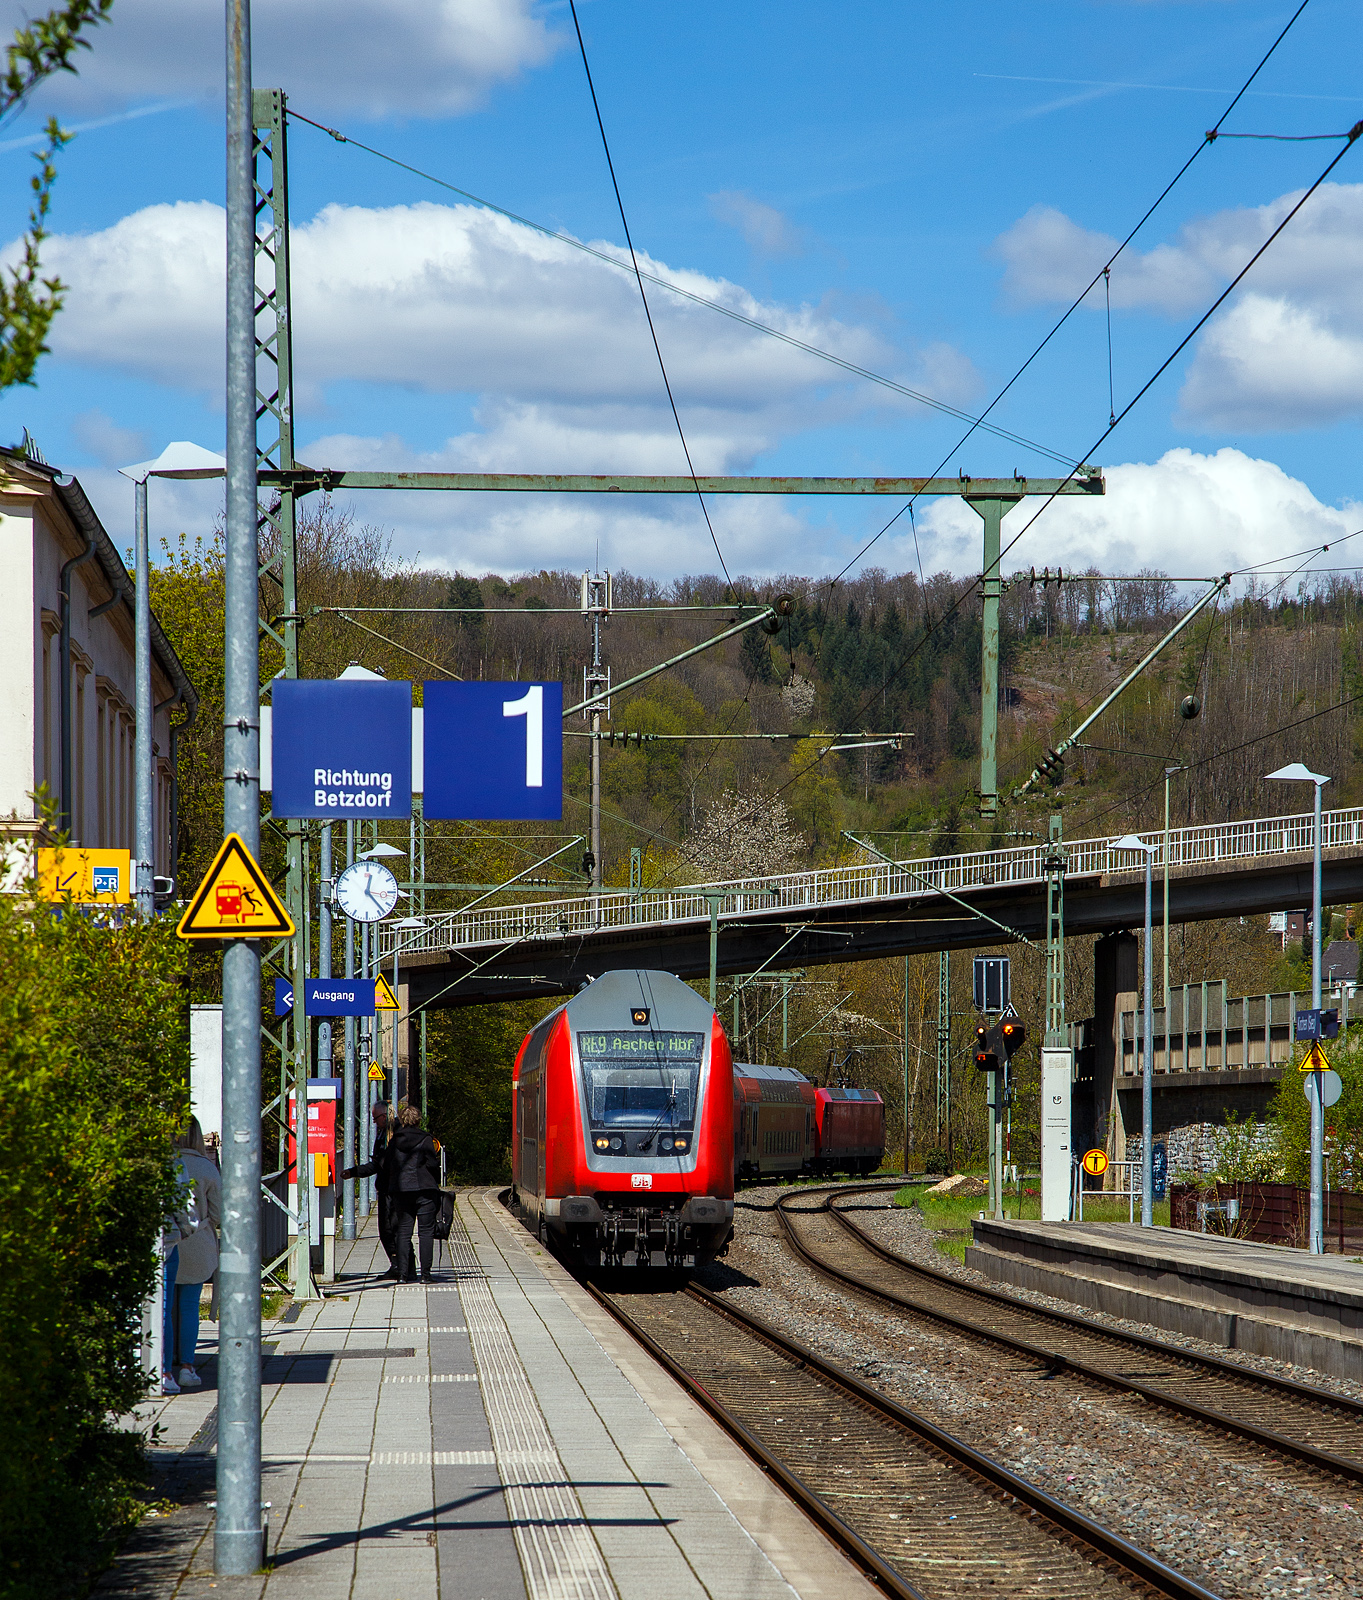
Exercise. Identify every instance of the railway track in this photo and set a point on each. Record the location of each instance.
(922, 1513)
(1311, 1426)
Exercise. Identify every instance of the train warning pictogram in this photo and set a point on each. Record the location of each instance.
(1095, 1163)
(384, 998)
(1314, 1060)
(376, 1073)
(235, 900)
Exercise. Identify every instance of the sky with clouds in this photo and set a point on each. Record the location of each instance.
(918, 190)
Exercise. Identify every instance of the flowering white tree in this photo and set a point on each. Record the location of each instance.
(743, 836)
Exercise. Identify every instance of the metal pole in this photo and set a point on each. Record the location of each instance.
(238, 1535)
(324, 1057)
(1148, 1072)
(714, 945)
(1168, 773)
(906, 1066)
(144, 847)
(1315, 1079)
(348, 1137)
(993, 512)
(596, 815)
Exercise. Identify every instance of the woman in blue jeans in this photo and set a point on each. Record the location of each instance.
(192, 1262)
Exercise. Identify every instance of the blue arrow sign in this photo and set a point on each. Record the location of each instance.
(283, 997)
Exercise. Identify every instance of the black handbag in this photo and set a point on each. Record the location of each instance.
(444, 1217)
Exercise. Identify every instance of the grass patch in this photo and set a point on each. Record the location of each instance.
(950, 1218)
(272, 1302)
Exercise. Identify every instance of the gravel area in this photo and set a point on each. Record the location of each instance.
(1215, 1508)
(905, 1232)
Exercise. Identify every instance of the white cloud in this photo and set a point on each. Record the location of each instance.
(106, 441)
(367, 58)
(1288, 350)
(1186, 514)
(456, 300)
(765, 230)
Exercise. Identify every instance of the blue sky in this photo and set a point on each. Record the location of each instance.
(916, 187)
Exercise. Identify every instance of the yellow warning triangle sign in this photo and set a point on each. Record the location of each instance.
(1314, 1061)
(376, 1073)
(384, 998)
(235, 900)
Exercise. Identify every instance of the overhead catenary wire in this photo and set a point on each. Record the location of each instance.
(1207, 139)
(731, 312)
(643, 295)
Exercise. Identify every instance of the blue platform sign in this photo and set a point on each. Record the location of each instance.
(1159, 1170)
(327, 997)
(494, 751)
(341, 748)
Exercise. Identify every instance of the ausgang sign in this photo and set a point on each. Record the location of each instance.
(342, 748)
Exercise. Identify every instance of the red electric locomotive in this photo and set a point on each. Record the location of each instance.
(622, 1124)
(851, 1130)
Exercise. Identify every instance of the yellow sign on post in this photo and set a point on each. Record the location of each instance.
(235, 900)
(376, 1073)
(90, 877)
(1095, 1163)
(384, 998)
(1314, 1060)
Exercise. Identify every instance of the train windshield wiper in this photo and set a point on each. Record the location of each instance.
(666, 1116)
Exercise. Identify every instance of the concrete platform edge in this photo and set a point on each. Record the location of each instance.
(814, 1567)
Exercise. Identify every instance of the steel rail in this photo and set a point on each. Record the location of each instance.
(999, 1482)
(1056, 1361)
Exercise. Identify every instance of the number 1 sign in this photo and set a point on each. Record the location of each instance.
(494, 751)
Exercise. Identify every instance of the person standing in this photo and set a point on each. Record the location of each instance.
(384, 1125)
(412, 1160)
(196, 1255)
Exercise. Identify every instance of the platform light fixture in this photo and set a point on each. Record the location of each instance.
(1131, 842)
(1297, 772)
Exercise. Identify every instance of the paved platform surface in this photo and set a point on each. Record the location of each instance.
(496, 1436)
(1263, 1298)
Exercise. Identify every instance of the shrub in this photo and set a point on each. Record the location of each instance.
(94, 1056)
(1343, 1120)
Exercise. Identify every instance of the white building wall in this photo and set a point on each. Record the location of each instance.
(37, 535)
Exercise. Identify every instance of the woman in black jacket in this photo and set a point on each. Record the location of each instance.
(384, 1125)
(411, 1167)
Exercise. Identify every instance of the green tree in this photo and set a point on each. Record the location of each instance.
(94, 1058)
(28, 302)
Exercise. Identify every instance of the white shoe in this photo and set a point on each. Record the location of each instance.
(189, 1379)
(168, 1384)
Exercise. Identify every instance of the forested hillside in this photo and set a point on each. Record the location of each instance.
(879, 654)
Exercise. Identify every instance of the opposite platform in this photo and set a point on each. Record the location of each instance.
(496, 1435)
(1263, 1298)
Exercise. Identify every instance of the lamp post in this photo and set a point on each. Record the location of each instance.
(1297, 773)
(185, 461)
(1168, 773)
(407, 924)
(1131, 842)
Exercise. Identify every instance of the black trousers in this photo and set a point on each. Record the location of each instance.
(421, 1209)
(388, 1224)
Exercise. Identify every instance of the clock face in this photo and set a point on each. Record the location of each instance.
(366, 891)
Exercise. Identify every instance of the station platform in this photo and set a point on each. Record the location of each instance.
(496, 1436)
(1263, 1298)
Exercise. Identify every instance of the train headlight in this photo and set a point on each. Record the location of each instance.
(679, 1145)
(617, 1143)
(603, 1144)
(665, 1144)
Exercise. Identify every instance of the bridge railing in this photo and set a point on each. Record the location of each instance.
(1257, 838)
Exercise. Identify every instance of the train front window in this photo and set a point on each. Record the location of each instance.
(640, 1080)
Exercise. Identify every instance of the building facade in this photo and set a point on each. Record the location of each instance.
(67, 720)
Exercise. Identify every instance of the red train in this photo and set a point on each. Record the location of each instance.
(785, 1127)
(622, 1124)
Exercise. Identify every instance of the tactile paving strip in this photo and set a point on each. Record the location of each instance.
(559, 1556)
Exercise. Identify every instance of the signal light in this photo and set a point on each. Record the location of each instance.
(1014, 1034)
(986, 1061)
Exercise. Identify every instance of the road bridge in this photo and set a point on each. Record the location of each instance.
(861, 913)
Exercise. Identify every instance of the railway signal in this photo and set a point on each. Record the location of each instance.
(1013, 1033)
(986, 1048)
